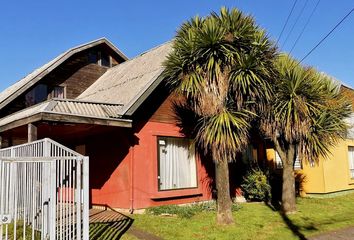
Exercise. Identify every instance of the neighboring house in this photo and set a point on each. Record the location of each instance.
(116, 111)
(331, 174)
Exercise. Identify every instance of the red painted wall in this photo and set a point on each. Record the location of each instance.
(112, 157)
(146, 171)
(124, 164)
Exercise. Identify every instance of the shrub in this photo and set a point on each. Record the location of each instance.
(256, 186)
(181, 211)
(187, 211)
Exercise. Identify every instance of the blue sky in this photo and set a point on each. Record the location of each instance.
(34, 32)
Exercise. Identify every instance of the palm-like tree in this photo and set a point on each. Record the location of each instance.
(222, 66)
(305, 117)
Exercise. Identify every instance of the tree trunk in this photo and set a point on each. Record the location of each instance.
(288, 198)
(224, 203)
(288, 191)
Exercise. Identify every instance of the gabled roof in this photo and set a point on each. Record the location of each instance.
(118, 92)
(25, 83)
(131, 82)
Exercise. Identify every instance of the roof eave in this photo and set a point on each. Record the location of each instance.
(65, 118)
(131, 108)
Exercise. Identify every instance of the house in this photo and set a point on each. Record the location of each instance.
(116, 110)
(330, 175)
(94, 100)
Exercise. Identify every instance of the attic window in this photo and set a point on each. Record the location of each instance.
(105, 60)
(38, 94)
(92, 57)
(58, 92)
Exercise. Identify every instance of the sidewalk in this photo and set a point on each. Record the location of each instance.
(343, 234)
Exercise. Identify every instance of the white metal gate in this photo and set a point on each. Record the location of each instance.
(44, 192)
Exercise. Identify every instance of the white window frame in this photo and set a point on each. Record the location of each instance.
(279, 163)
(351, 161)
(172, 183)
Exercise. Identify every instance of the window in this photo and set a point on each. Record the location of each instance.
(177, 165)
(58, 92)
(92, 57)
(279, 164)
(38, 94)
(250, 155)
(105, 60)
(351, 160)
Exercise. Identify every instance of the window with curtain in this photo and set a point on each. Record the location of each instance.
(177, 165)
(58, 92)
(351, 160)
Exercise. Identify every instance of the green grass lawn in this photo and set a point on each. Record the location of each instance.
(255, 221)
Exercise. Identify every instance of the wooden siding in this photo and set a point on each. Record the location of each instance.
(78, 81)
(165, 113)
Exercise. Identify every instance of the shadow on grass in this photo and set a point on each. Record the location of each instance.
(109, 224)
(293, 227)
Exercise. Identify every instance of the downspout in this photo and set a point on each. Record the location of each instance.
(132, 179)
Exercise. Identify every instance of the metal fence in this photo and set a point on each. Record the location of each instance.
(43, 192)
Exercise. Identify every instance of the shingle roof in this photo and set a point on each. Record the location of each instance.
(126, 82)
(22, 85)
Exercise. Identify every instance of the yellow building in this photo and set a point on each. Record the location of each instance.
(330, 175)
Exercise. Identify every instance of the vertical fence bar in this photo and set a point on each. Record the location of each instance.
(78, 199)
(86, 199)
(2, 186)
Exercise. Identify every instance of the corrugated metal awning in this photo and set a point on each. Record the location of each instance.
(84, 108)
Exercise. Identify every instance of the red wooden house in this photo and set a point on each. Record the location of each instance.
(94, 100)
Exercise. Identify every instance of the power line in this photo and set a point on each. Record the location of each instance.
(303, 29)
(296, 21)
(325, 37)
(287, 20)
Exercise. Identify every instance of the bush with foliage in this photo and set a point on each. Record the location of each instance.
(187, 211)
(256, 186)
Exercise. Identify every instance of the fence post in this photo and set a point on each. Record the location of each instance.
(86, 198)
(45, 169)
(52, 201)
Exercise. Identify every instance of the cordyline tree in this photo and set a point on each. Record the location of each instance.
(305, 118)
(221, 65)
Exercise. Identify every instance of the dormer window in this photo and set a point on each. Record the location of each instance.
(38, 94)
(58, 92)
(105, 60)
(100, 58)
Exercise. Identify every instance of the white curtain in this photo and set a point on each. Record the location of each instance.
(177, 164)
(351, 161)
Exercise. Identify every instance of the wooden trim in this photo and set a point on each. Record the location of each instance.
(32, 132)
(54, 117)
(21, 122)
